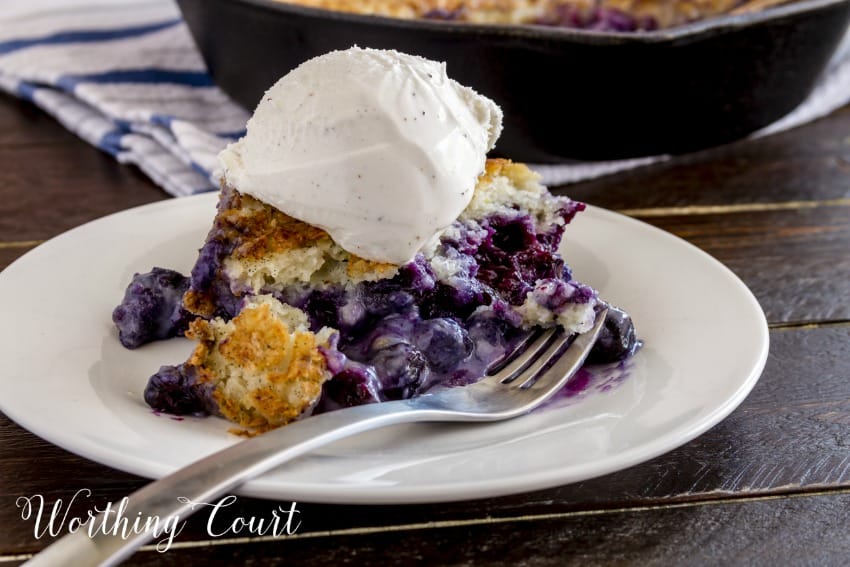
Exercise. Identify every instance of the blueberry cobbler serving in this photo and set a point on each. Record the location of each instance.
(598, 15)
(359, 255)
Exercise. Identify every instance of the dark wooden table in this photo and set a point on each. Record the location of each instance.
(770, 485)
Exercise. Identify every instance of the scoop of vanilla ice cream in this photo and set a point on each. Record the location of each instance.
(378, 148)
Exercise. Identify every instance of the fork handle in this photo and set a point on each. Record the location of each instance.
(176, 494)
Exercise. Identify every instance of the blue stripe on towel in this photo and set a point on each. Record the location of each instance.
(197, 167)
(162, 120)
(232, 135)
(85, 36)
(26, 90)
(138, 76)
(111, 141)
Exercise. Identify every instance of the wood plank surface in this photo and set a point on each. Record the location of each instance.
(795, 531)
(24, 125)
(52, 189)
(800, 530)
(809, 163)
(9, 252)
(796, 262)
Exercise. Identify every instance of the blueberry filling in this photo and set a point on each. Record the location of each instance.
(175, 389)
(597, 18)
(152, 308)
(443, 342)
(355, 385)
(513, 256)
(617, 341)
(567, 15)
(399, 336)
(444, 15)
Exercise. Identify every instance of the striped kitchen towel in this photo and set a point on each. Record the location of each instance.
(125, 76)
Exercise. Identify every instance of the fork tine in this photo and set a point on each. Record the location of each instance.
(554, 349)
(559, 368)
(524, 356)
(522, 345)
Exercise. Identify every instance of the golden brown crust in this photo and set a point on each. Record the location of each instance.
(260, 230)
(200, 304)
(665, 13)
(268, 250)
(280, 371)
(358, 268)
(518, 173)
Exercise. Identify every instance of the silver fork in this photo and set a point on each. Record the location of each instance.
(541, 367)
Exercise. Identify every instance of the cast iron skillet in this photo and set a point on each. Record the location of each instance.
(566, 94)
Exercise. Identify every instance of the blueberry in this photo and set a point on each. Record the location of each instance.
(443, 342)
(400, 366)
(512, 259)
(392, 329)
(617, 340)
(607, 19)
(322, 307)
(598, 18)
(444, 14)
(174, 389)
(208, 264)
(563, 15)
(493, 329)
(355, 385)
(416, 276)
(383, 300)
(352, 313)
(152, 308)
(515, 234)
(537, 263)
(209, 283)
(457, 300)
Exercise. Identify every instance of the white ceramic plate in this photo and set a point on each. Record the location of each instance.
(67, 379)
